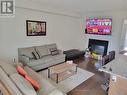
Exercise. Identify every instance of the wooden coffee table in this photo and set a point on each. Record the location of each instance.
(62, 71)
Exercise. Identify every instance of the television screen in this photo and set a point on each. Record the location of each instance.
(99, 26)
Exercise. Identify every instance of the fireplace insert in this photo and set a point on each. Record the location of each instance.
(98, 46)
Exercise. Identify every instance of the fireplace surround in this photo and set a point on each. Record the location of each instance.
(98, 46)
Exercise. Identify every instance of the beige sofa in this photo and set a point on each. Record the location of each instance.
(46, 58)
(17, 85)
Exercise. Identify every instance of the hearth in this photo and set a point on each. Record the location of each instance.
(98, 46)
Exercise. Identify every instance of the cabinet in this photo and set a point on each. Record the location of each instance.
(118, 86)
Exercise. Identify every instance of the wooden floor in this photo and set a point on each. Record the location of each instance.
(93, 85)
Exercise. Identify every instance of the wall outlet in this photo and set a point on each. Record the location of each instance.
(114, 78)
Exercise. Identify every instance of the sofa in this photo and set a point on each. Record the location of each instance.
(17, 85)
(40, 57)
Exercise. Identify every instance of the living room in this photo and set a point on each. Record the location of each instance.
(65, 25)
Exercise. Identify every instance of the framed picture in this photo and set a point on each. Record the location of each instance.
(35, 28)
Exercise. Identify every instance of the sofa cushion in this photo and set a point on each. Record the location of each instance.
(27, 52)
(46, 86)
(36, 62)
(42, 50)
(9, 68)
(55, 57)
(8, 83)
(24, 86)
(50, 46)
(54, 51)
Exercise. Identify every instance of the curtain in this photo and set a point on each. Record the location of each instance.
(123, 43)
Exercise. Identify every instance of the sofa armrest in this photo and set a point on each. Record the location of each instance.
(24, 59)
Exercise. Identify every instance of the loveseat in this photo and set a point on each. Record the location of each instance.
(40, 57)
(17, 85)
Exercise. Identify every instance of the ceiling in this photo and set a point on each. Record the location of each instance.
(83, 6)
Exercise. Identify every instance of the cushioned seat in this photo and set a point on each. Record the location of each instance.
(51, 58)
(36, 62)
(47, 61)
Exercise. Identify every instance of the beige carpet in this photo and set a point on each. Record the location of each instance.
(71, 82)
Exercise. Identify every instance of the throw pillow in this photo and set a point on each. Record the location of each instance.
(27, 56)
(21, 71)
(35, 55)
(39, 54)
(34, 83)
(49, 46)
(54, 51)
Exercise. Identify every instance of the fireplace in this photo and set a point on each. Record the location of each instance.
(98, 46)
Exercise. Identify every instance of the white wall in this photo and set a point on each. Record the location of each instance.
(63, 30)
(114, 39)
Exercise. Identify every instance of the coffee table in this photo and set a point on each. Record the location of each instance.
(62, 71)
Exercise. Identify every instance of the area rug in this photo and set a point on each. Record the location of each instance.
(71, 82)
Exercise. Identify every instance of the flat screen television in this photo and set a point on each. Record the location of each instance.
(99, 26)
